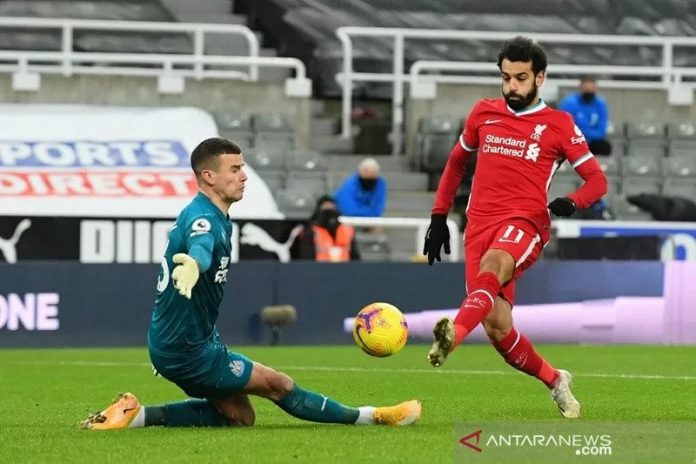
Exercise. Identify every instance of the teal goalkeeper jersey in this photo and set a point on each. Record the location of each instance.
(178, 324)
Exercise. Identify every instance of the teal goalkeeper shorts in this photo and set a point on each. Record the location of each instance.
(212, 372)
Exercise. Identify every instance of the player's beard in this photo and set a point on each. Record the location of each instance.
(519, 102)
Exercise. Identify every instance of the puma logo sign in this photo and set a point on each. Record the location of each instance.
(8, 246)
(255, 235)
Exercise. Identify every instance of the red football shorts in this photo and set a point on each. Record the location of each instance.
(518, 237)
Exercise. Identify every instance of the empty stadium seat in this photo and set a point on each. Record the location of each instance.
(235, 126)
(681, 130)
(314, 182)
(682, 148)
(644, 184)
(373, 246)
(680, 187)
(609, 164)
(646, 148)
(265, 159)
(296, 203)
(439, 125)
(275, 180)
(271, 122)
(277, 141)
(679, 166)
(435, 150)
(645, 130)
(305, 160)
(642, 165)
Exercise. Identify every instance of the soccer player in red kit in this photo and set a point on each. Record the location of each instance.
(520, 143)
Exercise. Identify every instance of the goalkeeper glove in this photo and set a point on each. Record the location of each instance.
(562, 207)
(186, 274)
(437, 236)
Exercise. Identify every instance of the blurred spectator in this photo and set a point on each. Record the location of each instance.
(324, 238)
(363, 193)
(591, 115)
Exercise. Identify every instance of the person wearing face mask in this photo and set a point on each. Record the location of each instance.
(590, 112)
(363, 193)
(324, 238)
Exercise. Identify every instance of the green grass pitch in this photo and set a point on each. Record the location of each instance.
(44, 394)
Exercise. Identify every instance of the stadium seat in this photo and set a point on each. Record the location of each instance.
(641, 165)
(234, 126)
(265, 159)
(271, 122)
(610, 164)
(435, 151)
(316, 183)
(275, 180)
(439, 125)
(305, 160)
(682, 130)
(296, 203)
(373, 246)
(645, 130)
(682, 148)
(232, 121)
(680, 187)
(643, 184)
(277, 141)
(679, 166)
(646, 147)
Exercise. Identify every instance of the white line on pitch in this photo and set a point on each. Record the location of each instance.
(376, 370)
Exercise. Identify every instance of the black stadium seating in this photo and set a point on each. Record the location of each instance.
(92, 41)
(306, 29)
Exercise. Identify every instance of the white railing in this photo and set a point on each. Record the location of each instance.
(666, 76)
(420, 226)
(28, 65)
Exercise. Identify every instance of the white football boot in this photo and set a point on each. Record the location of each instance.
(563, 397)
(444, 341)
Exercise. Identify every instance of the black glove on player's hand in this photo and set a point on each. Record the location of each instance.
(562, 207)
(437, 236)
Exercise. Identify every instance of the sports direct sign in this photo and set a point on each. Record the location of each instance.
(64, 160)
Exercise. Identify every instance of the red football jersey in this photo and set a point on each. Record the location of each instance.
(518, 154)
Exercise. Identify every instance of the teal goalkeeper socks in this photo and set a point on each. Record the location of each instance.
(314, 407)
(189, 413)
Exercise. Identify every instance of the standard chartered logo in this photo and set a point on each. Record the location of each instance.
(510, 146)
(533, 152)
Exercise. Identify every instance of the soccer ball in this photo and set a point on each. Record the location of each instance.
(380, 330)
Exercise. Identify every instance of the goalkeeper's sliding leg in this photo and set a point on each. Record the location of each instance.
(236, 409)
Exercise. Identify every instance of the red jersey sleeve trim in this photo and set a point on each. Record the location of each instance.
(582, 159)
(464, 145)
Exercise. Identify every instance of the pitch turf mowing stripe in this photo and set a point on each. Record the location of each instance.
(367, 369)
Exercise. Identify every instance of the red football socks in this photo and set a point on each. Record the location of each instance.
(520, 354)
(476, 305)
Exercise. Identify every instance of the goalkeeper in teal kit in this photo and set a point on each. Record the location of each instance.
(183, 341)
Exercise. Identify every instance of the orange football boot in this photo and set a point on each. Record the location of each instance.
(118, 415)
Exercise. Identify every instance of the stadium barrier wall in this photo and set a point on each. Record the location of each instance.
(70, 304)
(209, 94)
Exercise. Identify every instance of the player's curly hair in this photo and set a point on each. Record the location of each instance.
(209, 149)
(523, 49)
